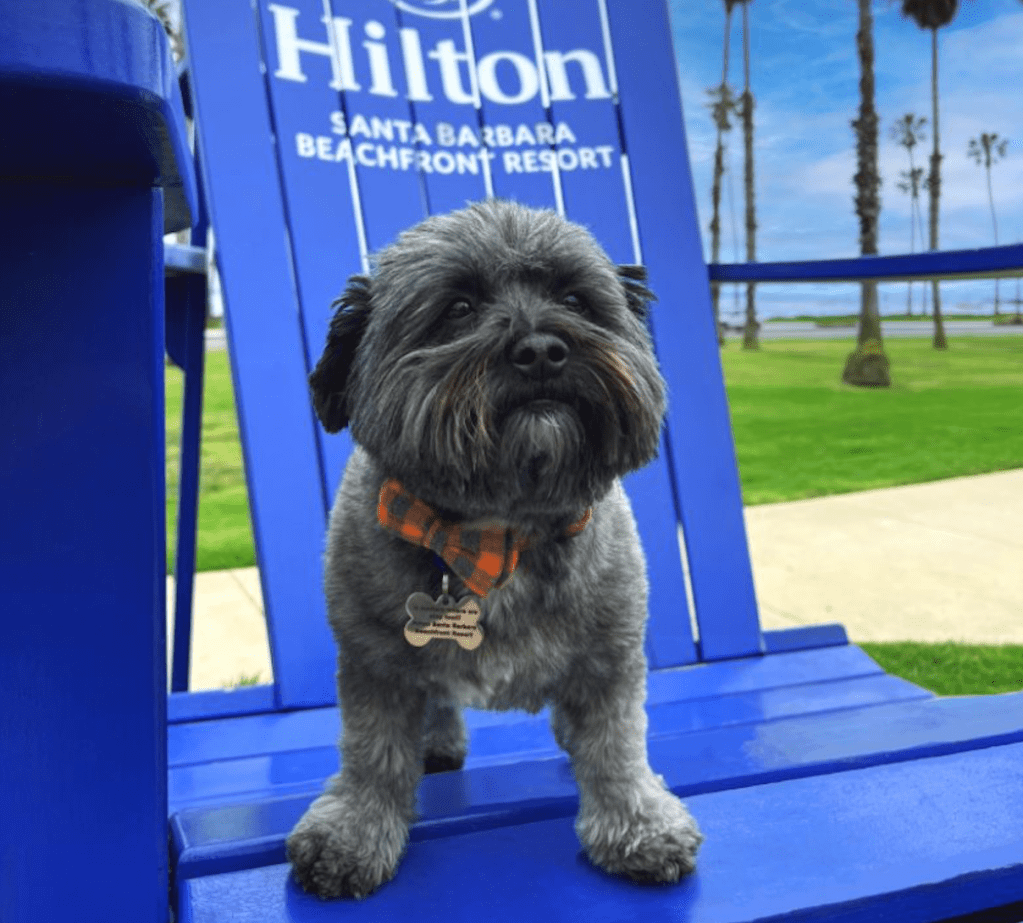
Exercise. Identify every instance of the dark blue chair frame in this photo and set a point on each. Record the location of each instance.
(94, 168)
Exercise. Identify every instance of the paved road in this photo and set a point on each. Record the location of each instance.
(780, 330)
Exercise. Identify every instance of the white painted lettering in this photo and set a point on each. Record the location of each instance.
(449, 59)
(415, 70)
(363, 154)
(557, 74)
(382, 128)
(467, 163)
(563, 134)
(525, 73)
(387, 157)
(379, 66)
(337, 48)
(524, 136)
(444, 162)
(360, 127)
(445, 133)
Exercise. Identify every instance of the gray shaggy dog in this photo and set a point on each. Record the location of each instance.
(498, 366)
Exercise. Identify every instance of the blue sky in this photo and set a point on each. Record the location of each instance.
(805, 75)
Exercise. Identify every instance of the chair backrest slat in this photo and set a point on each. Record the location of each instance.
(698, 430)
(378, 121)
(267, 347)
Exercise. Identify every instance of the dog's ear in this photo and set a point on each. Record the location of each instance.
(638, 296)
(329, 380)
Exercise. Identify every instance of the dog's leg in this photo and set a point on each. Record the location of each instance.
(628, 822)
(443, 737)
(352, 837)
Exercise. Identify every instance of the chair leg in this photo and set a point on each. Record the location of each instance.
(187, 294)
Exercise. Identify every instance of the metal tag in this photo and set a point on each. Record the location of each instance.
(443, 618)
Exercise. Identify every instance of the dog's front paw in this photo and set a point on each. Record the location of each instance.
(340, 850)
(657, 844)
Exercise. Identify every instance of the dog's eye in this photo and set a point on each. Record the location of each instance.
(459, 309)
(574, 303)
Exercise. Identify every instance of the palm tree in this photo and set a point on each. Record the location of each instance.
(912, 182)
(749, 334)
(933, 14)
(722, 105)
(867, 365)
(988, 150)
(908, 131)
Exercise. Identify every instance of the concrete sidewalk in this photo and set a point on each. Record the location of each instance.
(929, 562)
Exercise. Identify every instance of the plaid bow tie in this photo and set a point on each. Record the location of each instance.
(484, 559)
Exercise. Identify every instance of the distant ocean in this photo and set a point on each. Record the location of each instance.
(778, 301)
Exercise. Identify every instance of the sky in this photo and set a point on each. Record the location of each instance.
(805, 78)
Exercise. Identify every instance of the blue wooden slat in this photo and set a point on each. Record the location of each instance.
(592, 183)
(339, 200)
(392, 197)
(504, 75)
(247, 731)
(804, 849)
(806, 637)
(493, 733)
(219, 703)
(267, 349)
(451, 174)
(946, 264)
(597, 198)
(724, 728)
(700, 440)
(493, 791)
(669, 637)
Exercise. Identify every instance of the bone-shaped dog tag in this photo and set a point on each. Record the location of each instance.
(445, 619)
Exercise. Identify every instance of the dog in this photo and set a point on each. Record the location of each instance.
(497, 376)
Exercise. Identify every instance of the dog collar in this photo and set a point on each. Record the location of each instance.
(483, 559)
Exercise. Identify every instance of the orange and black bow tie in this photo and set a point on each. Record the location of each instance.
(484, 559)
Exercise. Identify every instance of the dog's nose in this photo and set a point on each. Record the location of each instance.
(540, 355)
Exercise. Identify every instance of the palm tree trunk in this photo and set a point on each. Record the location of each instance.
(749, 334)
(994, 222)
(935, 189)
(715, 193)
(867, 365)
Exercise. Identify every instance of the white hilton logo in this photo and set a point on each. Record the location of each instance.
(442, 9)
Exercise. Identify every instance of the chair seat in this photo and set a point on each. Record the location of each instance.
(924, 839)
(234, 759)
(515, 774)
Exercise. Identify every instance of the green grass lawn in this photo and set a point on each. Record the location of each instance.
(225, 533)
(799, 433)
(851, 320)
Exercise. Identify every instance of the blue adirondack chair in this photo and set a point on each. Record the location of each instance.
(826, 788)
